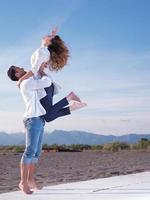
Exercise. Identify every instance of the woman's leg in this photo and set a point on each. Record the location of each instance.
(47, 101)
(52, 111)
(57, 110)
(52, 115)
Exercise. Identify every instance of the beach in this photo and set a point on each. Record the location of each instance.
(65, 167)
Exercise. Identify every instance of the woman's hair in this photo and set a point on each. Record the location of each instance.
(59, 53)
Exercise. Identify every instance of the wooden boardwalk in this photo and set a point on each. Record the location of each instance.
(126, 187)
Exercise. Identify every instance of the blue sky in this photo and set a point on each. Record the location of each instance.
(109, 42)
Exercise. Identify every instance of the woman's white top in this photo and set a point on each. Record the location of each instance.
(41, 55)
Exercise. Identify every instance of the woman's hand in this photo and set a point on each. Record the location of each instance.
(54, 32)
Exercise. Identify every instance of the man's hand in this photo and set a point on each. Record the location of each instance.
(42, 67)
(42, 73)
(24, 77)
(19, 82)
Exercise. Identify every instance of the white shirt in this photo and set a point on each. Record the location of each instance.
(41, 55)
(29, 90)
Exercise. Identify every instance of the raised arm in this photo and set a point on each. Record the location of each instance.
(37, 58)
(37, 61)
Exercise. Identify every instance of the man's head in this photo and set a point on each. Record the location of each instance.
(46, 40)
(15, 73)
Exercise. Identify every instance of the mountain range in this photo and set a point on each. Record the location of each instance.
(71, 137)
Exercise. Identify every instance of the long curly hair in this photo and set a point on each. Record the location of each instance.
(59, 54)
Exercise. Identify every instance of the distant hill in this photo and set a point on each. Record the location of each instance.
(71, 137)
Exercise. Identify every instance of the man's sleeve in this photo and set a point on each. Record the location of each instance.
(38, 84)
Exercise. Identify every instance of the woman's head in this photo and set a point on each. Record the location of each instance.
(59, 53)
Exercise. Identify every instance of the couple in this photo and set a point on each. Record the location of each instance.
(38, 88)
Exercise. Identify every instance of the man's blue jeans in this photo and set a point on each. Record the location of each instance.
(34, 135)
(35, 126)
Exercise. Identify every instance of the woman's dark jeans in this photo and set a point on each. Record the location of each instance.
(56, 110)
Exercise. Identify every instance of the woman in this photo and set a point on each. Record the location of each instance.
(52, 56)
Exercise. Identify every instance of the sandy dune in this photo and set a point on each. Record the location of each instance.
(65, 167)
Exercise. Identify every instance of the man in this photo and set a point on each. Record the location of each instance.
(32, 91)
(34, 124)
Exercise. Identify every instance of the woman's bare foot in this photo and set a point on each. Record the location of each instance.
(72, 96)
(25, 188)
(75, 105)
(32, 185)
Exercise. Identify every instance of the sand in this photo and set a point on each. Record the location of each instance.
(64, 167)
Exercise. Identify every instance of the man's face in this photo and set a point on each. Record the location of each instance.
(19, 72)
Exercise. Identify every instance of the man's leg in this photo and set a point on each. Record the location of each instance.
(25, 161)
(32, 137)
(32, 168)
(23, 185)
(30, 178)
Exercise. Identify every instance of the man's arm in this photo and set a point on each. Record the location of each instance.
(30, 73)
(26, 76)
(33, 84)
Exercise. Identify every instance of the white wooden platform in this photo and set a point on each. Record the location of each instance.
(126, 187)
